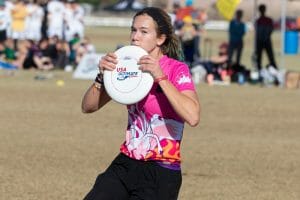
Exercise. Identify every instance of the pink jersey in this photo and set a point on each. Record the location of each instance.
(154, 129)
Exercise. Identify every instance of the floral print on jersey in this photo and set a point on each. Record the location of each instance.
(154, 139)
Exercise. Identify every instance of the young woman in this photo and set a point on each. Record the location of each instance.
(148, 166)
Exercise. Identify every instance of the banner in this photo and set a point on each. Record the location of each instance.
(227, 8)
(88, 66)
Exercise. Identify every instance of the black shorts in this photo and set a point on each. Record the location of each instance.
(131, 179)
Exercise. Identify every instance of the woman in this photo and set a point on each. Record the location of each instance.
(148, 166)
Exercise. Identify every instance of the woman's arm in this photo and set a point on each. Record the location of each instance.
(94, 99)
(185, 103)
(219, 59)
(96, 96)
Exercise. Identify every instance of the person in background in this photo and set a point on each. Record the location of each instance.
(2, 53)
(73, 43)
(43, 57)
(63, 53)
(34, 21)
(38, 56)
(10, 52)
(82, 48)
(182, 12)
(77, 22)
(187, 35)
(200, 18)
(52, 48)
(18, 14)
(56, 11)
(171, 13)
(264, 28)
(44, 26)
(4, 22)
(237, 30)
(23, 50)
(28, 60)
(148, 166)
(9, 5)
(216, 64)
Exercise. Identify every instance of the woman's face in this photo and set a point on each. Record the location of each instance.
(143, 34)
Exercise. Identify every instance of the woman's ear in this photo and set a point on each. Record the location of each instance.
(161, 39)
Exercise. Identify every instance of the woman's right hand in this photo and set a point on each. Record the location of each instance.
(108, 62)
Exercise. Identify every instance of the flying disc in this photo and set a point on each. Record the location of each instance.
(127, 84)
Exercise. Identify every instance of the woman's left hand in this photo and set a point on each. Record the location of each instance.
(149, 64)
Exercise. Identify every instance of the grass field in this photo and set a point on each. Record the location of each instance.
(247, 146)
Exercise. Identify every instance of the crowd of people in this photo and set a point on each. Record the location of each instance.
(50, 34)
(189, 27)
(42, 35)
(226, 66)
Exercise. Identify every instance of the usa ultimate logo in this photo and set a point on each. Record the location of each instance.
(123, 74)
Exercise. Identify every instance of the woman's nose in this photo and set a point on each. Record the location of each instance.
(135, 36)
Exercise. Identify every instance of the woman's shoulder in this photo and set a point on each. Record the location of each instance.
(174, 68)
(172, 62)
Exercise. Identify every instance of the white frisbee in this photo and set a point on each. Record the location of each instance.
(127, 84)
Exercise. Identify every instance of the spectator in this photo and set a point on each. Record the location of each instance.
(264, 29)
(237, 30)
(38, 56)
(23, 49)
(10, 52)
(68, 22)
(43, 58)
(4, 22)
(216, 65)
(52, 48)
(77, 23)
(63, 53)
(82, 48)
(44, 26)
(171, 13)
(2, 52)
(200, 18)
(32, 49)
(55, 19)
(34, 21)
(187, 34)
(73, 43)
(182, 12)
(18, 14)
(9, 5)
(178, 22)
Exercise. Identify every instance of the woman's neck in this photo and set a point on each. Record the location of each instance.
(156, 53)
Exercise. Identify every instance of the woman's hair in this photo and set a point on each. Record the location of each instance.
(171, 47)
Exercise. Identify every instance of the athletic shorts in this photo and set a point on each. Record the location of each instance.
(131, 179)
(18, 35)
